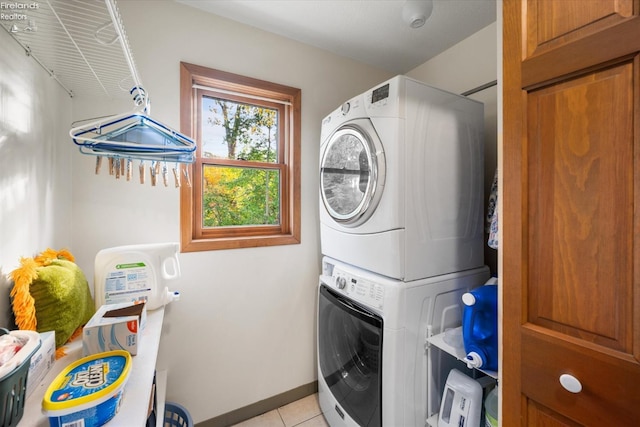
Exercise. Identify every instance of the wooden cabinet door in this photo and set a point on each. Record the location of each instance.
(571, 212)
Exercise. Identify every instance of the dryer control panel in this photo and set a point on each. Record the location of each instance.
(369, 293)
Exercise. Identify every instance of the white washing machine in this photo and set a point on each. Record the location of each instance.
(373, 368)
(401, 181)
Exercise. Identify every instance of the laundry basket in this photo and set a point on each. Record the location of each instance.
(13, 378)
(175, 415)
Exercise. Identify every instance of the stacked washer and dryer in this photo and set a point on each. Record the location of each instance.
(401, 211)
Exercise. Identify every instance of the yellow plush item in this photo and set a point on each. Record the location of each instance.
(51, 293)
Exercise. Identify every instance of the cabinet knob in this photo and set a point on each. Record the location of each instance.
(570, 383)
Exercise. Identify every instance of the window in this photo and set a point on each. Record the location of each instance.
(245, 188)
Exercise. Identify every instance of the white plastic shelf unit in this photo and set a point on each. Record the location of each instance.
(457, 352)
(137, 395)
(80, 43)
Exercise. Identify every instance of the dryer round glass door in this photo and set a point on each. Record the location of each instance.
(352, 173)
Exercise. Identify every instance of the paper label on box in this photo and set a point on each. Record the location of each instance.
(103, 333)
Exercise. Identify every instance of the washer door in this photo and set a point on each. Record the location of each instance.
(352, 173)
(350, 356)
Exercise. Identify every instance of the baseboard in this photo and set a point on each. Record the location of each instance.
(258, 408)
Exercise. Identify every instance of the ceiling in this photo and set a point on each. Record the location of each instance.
(368, 31)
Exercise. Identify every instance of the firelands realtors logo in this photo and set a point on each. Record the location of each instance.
(15, 11)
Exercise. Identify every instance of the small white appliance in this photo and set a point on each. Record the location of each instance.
(373, 364)
(401, 181)
(461, 401)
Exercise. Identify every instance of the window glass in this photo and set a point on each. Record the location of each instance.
(236, 196)
(232, 130)
(246, 189)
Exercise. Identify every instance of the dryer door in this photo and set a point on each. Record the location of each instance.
(352, 173)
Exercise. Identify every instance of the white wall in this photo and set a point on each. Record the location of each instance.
(35, 177)
(244, 329)
(465, 66)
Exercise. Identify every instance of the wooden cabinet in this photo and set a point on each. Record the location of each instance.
(571, 212)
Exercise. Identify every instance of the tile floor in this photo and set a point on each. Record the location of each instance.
(301, 413)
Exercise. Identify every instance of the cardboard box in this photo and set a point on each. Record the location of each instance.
(114, 327)
(42, 360)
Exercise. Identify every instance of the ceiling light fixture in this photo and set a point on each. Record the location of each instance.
(416, 12)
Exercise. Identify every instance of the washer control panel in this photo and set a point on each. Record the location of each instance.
(364, 291)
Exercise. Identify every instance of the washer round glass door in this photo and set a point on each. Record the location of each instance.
(352, 172)
(350, 356)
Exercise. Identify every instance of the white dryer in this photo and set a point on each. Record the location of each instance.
(401, 181)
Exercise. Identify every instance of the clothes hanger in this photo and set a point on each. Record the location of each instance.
(132, 133)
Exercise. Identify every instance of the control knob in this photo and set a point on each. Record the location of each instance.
(341, 282)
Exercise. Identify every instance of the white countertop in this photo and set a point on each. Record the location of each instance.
(137, 392)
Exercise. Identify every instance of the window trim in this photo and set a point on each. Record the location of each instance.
(196, 80)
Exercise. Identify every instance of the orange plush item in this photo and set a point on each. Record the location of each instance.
(51, 293)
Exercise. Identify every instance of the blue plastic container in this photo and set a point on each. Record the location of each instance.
(176, 415)
(480, 326)
(88, 392)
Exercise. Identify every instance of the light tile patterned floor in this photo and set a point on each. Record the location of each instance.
(301, 413)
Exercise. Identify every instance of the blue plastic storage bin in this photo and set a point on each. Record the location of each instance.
(175, 415)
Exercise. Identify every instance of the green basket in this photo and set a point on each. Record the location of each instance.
(176, 415)
(13, 390)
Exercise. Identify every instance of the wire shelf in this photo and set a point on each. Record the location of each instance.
(80, 44)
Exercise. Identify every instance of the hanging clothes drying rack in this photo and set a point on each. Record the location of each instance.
(83, 46)
(123, 138)
(132, 136)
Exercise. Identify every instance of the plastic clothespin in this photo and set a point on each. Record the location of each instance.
(98, 164)
(142, 172)
(154, 172)
(129, 169)
(176, 175)
(185, 170)
(165, 174)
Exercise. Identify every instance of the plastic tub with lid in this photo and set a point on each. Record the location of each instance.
(88, 391)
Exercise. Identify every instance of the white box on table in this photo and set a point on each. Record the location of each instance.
(42, 360)
(107, 330)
